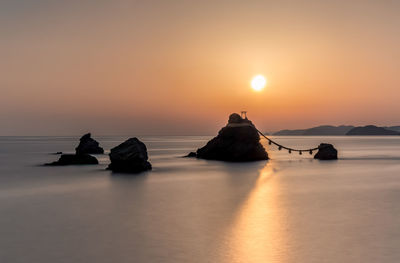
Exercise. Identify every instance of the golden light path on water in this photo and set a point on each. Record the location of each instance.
(258, 232)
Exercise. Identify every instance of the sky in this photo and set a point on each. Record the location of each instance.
(181, 67)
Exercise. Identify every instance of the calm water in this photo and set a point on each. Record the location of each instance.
(289, 209)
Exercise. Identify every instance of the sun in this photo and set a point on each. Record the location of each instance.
(258, 82)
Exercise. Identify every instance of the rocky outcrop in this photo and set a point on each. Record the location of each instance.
(326, 151)
(191, 155)
(129, 157)
(238, 141)
(74, 159)
(88, 145)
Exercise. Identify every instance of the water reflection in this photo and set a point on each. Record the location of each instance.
(258, 233)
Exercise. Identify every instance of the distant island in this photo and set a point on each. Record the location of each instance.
(372, 130)
(329, 130)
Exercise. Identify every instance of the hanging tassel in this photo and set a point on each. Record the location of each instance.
(280, 148)
(269, 142)
(311, 152)
(290, 151)
(300, 153)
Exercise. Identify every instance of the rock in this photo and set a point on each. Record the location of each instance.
(129, 157)
(238, 141)
(235, 118)
(326, 151)
(191, 155)
(88, 145)
(74, 159)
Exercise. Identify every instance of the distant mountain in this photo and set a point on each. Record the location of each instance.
(328, 130)
(289, 132)
(319, 130)
(371, 130)
(393, 128)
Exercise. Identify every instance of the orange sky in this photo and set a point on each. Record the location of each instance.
(181, 67)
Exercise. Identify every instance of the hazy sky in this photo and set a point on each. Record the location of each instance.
(181, 67)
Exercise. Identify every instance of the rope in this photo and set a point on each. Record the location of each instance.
(280, 147)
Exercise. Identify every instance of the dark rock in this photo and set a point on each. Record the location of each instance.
(238, 141)
(191, 155)
(235, 118)
(88, 145)
(326, 151)
(129, 157)
(74, 159)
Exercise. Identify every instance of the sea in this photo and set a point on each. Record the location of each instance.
(288, 209)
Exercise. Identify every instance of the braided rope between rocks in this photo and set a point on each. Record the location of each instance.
(280, 147)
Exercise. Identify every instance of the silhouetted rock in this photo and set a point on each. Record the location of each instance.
(191, 155)
(88, 145)
(371, 130)
(326, 151)
(235, 118)
(74, 159)
(238, 141)
(129, 157)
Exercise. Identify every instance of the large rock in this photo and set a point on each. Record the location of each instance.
(88, 145)
(326, 151)
(129, 157)
(74, 159)
(238, 141)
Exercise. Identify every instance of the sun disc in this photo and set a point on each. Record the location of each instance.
(258, 82)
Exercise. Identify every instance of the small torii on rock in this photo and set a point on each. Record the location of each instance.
(239, 141)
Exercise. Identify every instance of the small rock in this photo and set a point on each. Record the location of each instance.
(74, 159)
(88, 145)
(191, 155)
(326, 151)
(129, 157)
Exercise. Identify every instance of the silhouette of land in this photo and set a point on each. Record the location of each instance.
(329, 130)
(371, 130)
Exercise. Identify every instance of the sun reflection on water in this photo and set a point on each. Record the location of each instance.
(258, 233)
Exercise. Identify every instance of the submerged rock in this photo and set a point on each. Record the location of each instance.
(238, 141)
(326, 151)
(191, 155)
(129, 157)
(74, 159)
(88, 145)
